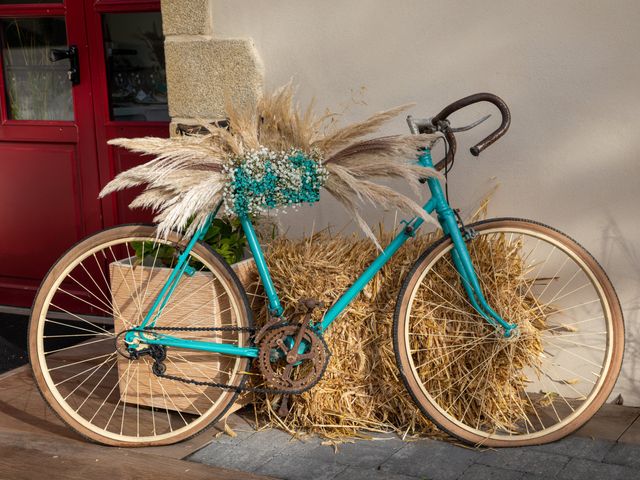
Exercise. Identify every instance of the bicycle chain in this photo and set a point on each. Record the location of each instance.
(226, 386)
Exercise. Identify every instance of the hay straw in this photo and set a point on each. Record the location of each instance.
(361, 390)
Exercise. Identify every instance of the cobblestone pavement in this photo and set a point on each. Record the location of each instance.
(274, 453)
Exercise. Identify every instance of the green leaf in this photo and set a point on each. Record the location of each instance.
(224, 236)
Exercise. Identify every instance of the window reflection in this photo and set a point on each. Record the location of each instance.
(36, 88)
(136, 77)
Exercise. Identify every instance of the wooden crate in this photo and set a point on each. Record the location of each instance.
(195, 302)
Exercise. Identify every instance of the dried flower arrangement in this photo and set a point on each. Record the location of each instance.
(273, 155)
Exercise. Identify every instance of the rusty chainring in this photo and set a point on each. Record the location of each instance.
(292, 358)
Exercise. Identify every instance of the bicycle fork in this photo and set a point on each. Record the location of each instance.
(460, 254)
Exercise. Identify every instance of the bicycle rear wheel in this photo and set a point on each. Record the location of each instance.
(105, 285)
(536, 387)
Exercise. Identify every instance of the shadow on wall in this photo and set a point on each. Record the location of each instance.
(615, 244)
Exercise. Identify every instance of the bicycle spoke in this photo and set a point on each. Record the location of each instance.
(84, 344)
(79, 335)
(94, 370)
(116, 384)
(195, 387)
(199, 367)
(153, 266)
(178, 296)
(81, 361)
(115, 408)
(96, 386)
(85, 301)
(75, 327)
(79, 318)
(164, 392)
(565, 326)
(131, 295)
(90, 293)
(123, 400)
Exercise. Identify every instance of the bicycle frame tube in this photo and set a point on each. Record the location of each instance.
(182, 267)
(446, 218)
(459, 253)
(275, 308)
(200, 345)
(409, 231)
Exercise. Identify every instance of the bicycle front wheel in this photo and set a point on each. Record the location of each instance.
(541, 384)
(104, 286)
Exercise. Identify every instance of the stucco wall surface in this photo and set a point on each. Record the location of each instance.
(569, 70)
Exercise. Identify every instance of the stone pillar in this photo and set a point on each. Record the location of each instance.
(203, 72)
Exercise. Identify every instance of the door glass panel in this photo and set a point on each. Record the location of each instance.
(35, 87)
(136, 77)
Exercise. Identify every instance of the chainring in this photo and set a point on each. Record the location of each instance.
(289, 371)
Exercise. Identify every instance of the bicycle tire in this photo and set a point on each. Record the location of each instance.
(116, 239)
(578, 408)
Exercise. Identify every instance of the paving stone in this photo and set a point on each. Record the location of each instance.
(580, 447)
(524, 460)
(289, 467)
(276, 453)
(482, 472)
(363, 453)
(272, 440)
(431, 459)
(247, 455)
(624, 454)
(580, 469)
(301, 446)
(353, 473)
(223, 438)
(235, 457)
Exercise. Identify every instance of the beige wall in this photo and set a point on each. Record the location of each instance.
(570, 71)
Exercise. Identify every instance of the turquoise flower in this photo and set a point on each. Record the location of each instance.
(263, 179)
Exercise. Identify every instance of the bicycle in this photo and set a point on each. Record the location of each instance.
(184, 380)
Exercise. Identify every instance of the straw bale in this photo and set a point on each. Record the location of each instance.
(361, 390)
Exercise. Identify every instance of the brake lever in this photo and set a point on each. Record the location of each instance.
(471, 125)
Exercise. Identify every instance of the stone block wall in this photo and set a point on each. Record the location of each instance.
(205, 72)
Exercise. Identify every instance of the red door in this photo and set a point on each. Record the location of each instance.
(130, 89)
(54, 127)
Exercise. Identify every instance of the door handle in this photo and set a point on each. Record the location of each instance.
(55, 55)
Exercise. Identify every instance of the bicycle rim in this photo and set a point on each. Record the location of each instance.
(536, 387)
(104, 286)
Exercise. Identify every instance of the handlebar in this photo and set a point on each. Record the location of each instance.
(440, 123)
(476, 98)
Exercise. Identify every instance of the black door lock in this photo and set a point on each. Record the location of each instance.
(71, 53)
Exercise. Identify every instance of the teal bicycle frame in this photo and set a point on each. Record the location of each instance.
(446, 218)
